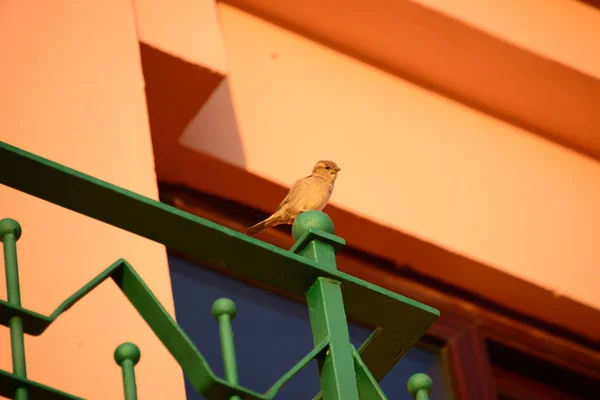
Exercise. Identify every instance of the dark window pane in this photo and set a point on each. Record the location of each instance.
(521, 376)
(272, 334)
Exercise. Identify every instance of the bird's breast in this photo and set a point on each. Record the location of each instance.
(318, 198)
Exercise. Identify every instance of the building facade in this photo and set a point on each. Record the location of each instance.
(466, 134)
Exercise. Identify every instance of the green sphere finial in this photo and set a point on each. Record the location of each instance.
(127, 351)
(223, 306)
(9, 225)
(419, 382)
(311, 219)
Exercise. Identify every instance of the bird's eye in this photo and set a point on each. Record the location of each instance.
(327, 167)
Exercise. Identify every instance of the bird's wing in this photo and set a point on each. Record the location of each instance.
(297, 188)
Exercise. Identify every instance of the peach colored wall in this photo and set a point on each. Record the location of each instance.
(187, 29)
(72, 90)
(410, 159)
(567, 31)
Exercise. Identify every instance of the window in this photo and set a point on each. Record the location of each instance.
(272, 333)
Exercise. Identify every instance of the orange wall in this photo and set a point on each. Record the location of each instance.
(73, 91)
(187, 29)
(566, 31)
(411, 159)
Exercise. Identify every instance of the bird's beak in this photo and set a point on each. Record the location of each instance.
(337, 169)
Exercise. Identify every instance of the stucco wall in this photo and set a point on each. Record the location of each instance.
(72, 91)
(411, 159)
(565, 31)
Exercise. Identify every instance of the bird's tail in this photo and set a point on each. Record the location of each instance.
(262, 225)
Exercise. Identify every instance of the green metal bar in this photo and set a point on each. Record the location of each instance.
(367, 385)
(314, 237)
(129, 384)
(224, 311)
(9, 383)
(21, 393)
(327, 318)
(227, 349)
(10, 232)
(127, 355)
(17, 345)
(318, 351)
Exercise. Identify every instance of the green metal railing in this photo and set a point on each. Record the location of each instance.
(307, 269)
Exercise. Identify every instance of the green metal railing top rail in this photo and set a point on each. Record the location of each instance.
(307, 269)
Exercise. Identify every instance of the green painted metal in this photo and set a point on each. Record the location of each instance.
(15, 385)
(224, 311)
(194, 365)
(317, 353)
(314, 239)
(10, 384)
(419, 386)
(127, 355)
(327, 317)
(10, 232)
(307, 269)
(367, 385)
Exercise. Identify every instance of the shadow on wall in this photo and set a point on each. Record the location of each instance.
(185, 97)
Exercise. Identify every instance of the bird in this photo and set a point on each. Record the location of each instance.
(310, 193)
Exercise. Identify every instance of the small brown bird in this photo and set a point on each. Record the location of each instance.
(310, 193)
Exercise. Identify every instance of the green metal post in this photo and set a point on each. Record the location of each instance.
(127, 355)
(328, 319)
(224, 311)
(419, 386)
(313, 232)
(10, 232)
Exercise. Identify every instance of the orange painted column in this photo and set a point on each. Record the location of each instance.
(72, 90)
